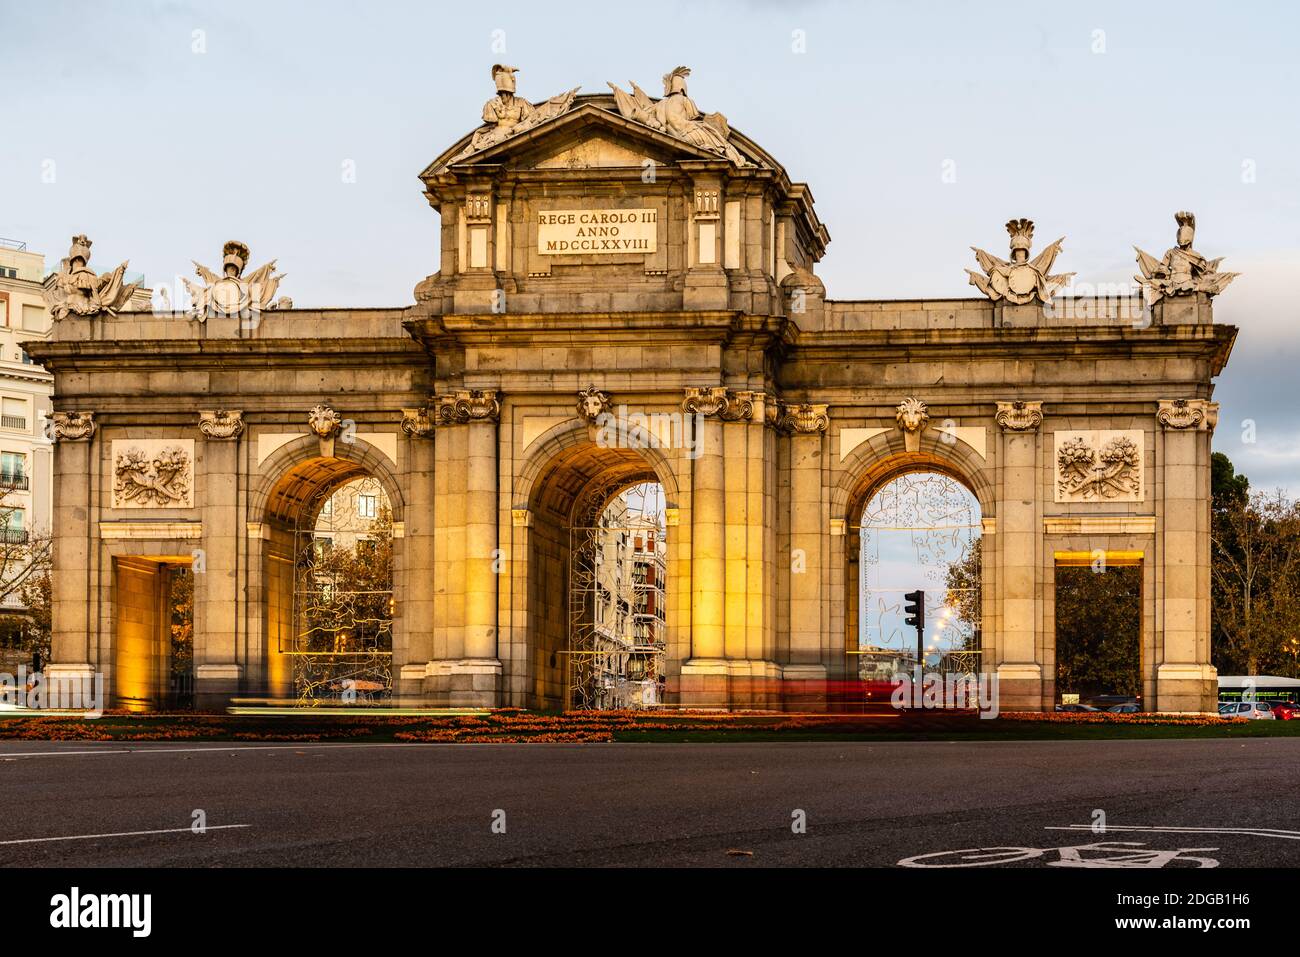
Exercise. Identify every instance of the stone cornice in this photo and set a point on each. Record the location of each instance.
(817, 346)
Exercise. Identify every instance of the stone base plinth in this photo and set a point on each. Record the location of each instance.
(804, 688)
(215, 685)
(704, 683)
(1020, 688)
(74, 687)
(1186, 689)
(729, 684)
(463, 683)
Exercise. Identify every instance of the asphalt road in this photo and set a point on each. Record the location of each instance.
(81, 804)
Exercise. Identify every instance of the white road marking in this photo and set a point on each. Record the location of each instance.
(91, 837)
(1156, 829)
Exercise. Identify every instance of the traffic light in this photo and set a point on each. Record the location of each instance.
(915, 610)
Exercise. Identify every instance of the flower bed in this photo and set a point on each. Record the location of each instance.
(512, 725)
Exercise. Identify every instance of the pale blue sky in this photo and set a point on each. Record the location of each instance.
(161, 154)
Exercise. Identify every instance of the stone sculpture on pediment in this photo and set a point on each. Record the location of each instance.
(507, 115)
(677, 115)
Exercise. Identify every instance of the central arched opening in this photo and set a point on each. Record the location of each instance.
(598, 582)
(919, 532)
(329, 571)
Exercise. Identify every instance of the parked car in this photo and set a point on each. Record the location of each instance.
(1104, 702)
(1129, 707)
(1256, 711)
(1075, 707)
(1285, 710)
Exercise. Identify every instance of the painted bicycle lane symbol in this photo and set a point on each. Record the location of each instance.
(1099, 854)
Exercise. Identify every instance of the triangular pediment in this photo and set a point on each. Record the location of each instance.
(586, 137)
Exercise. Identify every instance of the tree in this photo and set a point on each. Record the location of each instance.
(24, 582)
(1255, 572)
(1098, 629)
(964, 593)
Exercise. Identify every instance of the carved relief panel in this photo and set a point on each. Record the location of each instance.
(153, 473)
(1102, 465)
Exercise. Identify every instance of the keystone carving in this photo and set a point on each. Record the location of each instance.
(1019, 416)
(324, 421)
(592, 403)
(221, 423)
(912, 417)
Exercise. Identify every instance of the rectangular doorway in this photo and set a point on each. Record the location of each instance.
(153, 618)
(1098, 629)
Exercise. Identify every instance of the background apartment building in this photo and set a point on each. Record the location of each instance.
(26, 474)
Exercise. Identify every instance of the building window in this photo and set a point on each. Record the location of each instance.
(368, 506)
(34, 319)
(9, 272)
(13, 470)
(12, 522)
(13, 414)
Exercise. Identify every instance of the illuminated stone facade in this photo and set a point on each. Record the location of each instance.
(489, 409)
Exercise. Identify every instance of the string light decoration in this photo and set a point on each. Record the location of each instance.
(343, 603)
(616, 630)
(922, 528)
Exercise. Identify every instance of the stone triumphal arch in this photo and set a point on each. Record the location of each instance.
(626, 293)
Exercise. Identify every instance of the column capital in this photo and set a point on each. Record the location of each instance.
(805, 418)
(720, 402)
(221, 424)
(416, 422)
(1019, 416)
(1198, 415)
(73, 426)
(473, 405)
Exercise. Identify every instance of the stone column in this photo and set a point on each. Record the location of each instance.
(1185, 679)
(805, 673)
(1019, 532)
(473, 677)
(217, 670)
(413, 626)
(74, 654)
(704, 680)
